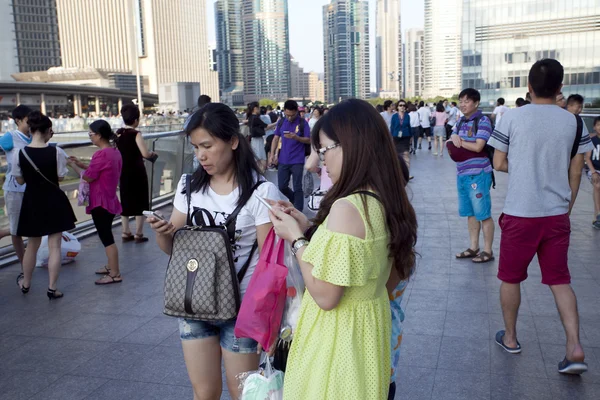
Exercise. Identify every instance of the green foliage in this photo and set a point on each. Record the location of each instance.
(267, 102)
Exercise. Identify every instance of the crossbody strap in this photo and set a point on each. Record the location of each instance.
(188, 195)
(228, 224)
(24, 152)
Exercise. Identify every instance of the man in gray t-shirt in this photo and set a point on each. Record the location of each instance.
(533, 144)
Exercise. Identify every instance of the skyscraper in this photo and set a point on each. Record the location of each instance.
(498, 48)
(413, 62)
(298, 81)
(316, 89)
(346, 50)
(161, 40)
(266, 49)
(442, 52)
(36, 34)
(389, 47)
(230, 50)
(9, 63)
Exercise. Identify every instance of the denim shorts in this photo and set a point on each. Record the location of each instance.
(474, 199)
(193, 330)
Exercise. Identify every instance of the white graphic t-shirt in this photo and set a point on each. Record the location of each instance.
(253, 214)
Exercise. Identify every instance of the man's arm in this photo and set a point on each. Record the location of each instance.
(575, 171)
(476, 147)
(500, 161)
(305, 140)
(274, 146)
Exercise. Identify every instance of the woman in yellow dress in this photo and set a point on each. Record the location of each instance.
(365, 233)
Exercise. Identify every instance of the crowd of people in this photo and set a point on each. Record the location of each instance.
(36, 206)
(358, 253)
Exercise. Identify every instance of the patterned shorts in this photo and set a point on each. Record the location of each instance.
(397, 319)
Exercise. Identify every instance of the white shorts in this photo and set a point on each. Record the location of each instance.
(13, 202)
(258, 146)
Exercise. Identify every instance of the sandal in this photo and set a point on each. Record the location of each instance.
(468, 253)
(483, 258)
(140, 238)
(108, 279)
(23, 288)
(127, 237)
(103, 271)
(572, 367)
(500, 342)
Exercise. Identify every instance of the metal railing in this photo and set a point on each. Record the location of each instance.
(175, 157)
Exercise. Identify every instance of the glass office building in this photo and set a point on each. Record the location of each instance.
(266, 50)
(501, 39)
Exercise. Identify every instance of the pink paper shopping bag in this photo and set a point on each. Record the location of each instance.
(262, 306)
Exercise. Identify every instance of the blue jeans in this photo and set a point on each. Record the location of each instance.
(283, 176)
(192, 330)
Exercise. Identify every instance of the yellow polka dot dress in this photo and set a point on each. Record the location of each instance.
(345, 353)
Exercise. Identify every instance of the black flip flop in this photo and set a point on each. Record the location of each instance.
(500, 342)
(572, 367)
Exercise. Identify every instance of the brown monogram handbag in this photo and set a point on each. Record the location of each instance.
(201, 282)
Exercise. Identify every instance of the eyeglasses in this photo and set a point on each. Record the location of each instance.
(324, 150)
(91, 134)
(401, 105)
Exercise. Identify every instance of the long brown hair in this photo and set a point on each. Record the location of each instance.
(370, 161)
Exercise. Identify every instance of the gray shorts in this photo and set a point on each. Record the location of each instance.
(439, 131)
(13, 202)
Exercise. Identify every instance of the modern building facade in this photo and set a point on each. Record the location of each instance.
(35, 34)
(413, 63)
(501, 41)
(155, 38)
(346, 50)
(442, 52)
(298, 81)
(266, 50)
(316, 88)
(230, 50)
(9, 63)
(388, 47)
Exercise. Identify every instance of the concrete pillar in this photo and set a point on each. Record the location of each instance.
(97, 104)
(77, 104)
(119, 105)
(43, 103)
(18, 98)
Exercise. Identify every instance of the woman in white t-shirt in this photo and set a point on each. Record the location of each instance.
(228, 171)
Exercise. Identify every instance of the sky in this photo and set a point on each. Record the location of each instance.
(306, 28)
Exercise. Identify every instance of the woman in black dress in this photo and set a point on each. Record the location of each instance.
(134, 180)
(46, 209)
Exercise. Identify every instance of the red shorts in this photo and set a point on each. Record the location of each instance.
(522, 238)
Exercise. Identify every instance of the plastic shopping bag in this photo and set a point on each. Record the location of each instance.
(265, 384)
(294, 292)
(69, 249)
(83, 196)
(262, 307)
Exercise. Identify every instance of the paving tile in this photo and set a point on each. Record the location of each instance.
(154, 331)
(528, 363)
(471, 355)
(70, 388)
(523, 388)
(526, 330)
(429, 300)
(124, 390)
(113, 361)
(460, 385)
(467, 301)
(553, 354)
(24, 385)
(424, 322)
(420, 351)
(155, 366)
(466, 325)
(415, 383)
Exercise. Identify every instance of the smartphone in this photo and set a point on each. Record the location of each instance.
(153, 214)
(264, 202)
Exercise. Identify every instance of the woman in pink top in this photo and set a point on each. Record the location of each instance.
(103, 174)
(439, 130)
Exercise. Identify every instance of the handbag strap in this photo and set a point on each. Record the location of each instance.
(188, 195)
(246, 265)
(35, 167)
(229, 222)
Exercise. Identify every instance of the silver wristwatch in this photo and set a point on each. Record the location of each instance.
(298, 244)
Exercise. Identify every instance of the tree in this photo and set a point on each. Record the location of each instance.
(267, 102)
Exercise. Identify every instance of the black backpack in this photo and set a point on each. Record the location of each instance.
(300, 129)
(487, 150)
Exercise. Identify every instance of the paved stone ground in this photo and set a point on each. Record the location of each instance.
(114, 343)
